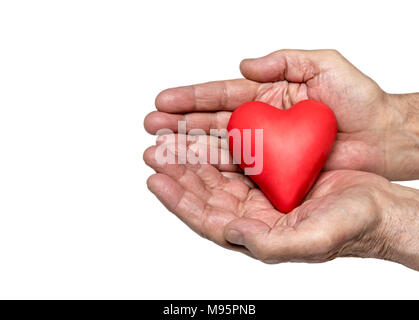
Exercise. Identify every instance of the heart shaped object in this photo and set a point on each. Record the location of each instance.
(296, 144)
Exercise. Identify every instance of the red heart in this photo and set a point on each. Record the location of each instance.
(296, 144)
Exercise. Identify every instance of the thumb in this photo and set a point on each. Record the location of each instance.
(273, 245)
(291, 65)
(250, 233)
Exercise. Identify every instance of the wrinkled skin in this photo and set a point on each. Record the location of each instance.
(339, 217)
(371, 122)
(347, 212)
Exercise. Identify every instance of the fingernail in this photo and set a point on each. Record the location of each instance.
(235, 237)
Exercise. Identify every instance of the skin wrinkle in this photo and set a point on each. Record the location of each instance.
(234, 176)
(363, 238)
(248, 201)
(194, 88)
(207, 195)
(242, 209)
(395, 112)
(227, 190)
(386, 152)
(264, 94)
(224, 95)
(401, 106)
(277, 223)
(411, 119)
(284, 61)
(204, 221)
(401, 225)
(382, 248)
(180, 199)
(279, 94)
(183, 175)
(337, 248)
(285, 98)
(308, 71)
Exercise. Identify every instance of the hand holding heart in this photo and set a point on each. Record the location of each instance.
(368, 118)
(343, 213)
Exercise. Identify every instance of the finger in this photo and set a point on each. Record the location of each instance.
(291, 65)
(197, 178)
(204, 149)
(203, 180)
(217, 156)
(189, 140)
(214, 123)
(186, 178)
(172, 195)
(210, 96)
(240, 177)
(201, 218)
(187, 206)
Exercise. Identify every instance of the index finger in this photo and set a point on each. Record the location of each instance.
(210, 96)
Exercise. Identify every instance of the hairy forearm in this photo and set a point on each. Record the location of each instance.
(400, 226)
(402, 141)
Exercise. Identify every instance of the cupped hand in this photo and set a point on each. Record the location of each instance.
(340, 216)
(370, 125)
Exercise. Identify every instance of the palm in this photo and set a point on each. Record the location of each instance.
(209, 201)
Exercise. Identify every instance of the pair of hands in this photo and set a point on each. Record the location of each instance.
(352, 210)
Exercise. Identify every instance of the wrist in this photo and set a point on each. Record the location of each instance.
(398, 232)
(402, 138)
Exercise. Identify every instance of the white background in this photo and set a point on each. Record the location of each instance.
(77, 79)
